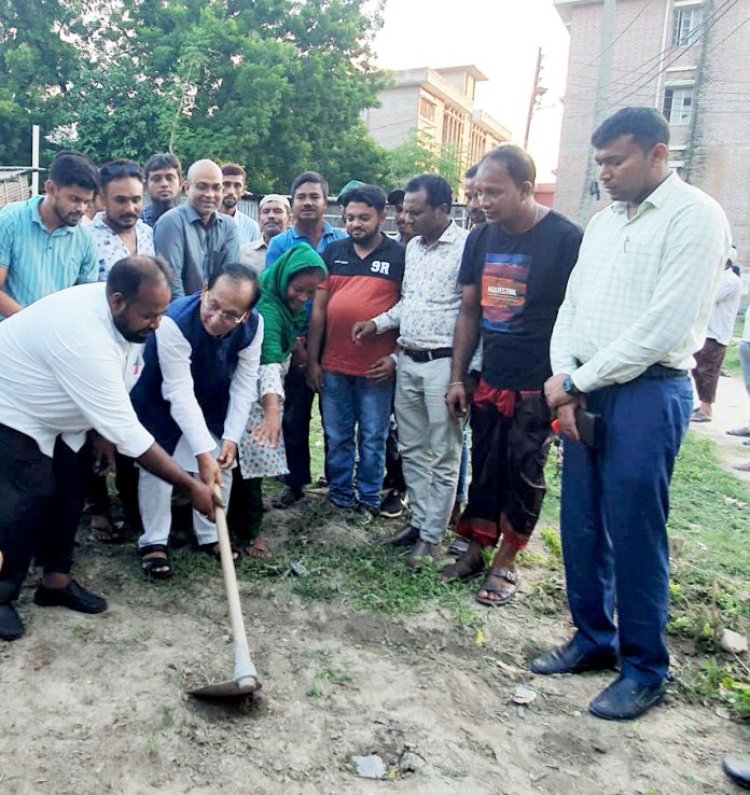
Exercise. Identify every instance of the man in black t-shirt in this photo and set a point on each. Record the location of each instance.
(514, 273)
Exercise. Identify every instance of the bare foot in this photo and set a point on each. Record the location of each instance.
(258, 549)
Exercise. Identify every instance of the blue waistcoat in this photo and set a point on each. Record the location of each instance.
(212, 363)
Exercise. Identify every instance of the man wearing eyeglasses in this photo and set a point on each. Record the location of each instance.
(194, 238)
(200, 379)
(118, 230)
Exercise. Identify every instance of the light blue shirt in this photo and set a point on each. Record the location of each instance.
(247, 228)
(40, 262)
(293, 237)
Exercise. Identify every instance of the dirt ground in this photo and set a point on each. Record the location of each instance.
(97, 704)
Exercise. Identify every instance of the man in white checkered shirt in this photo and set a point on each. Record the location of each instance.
(635, 311)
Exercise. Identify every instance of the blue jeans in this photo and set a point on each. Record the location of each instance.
(614, 509)
(355, 405)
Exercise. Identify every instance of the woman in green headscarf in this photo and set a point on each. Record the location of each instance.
(286, 287)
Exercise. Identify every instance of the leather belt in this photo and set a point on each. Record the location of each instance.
(428, 355)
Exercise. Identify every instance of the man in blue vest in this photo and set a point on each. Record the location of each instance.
(199, 382)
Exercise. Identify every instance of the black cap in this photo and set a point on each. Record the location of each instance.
(396, 197)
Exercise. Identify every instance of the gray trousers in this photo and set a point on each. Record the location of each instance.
(429, 442)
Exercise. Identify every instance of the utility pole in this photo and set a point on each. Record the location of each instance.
(35, 160)
(536, 92)
(601, 105)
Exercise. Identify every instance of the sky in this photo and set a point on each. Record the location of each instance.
(502, 38)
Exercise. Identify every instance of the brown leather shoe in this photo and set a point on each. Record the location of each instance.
(422, 555)
(404, 538)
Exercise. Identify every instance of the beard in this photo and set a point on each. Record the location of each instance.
(229, 202)
(160, 206)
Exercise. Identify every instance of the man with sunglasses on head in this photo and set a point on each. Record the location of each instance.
(118, 230)
(43, 246)
(200, 379)
(194, 238)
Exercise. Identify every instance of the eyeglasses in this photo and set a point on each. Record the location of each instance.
(207, 187)
(214, 309)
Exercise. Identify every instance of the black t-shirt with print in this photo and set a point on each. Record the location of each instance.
(522, 281)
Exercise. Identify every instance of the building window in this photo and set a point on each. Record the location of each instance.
(426, 109)
(678, 105)
(687, 24)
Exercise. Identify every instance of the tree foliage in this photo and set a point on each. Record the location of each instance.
(278, 85)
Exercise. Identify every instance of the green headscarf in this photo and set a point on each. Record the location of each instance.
(281, 325)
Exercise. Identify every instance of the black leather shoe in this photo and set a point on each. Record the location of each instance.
(73, 596)
(737, 767)
(626, 699)
(568, 660)
(11, 626)
(422, 555)
(404, 538)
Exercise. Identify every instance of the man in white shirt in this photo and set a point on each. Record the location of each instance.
(235, 182)
(429, 438)
(274, 217)
(635, 311)
(66, 365)
(199, 383)
(710, 357)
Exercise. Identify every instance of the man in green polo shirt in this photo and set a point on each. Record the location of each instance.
(43, 248)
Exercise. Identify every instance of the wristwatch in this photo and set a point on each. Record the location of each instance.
(570, 388)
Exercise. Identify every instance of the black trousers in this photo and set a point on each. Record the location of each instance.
(42, 500)
(298, 405)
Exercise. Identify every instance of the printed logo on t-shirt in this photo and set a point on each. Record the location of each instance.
(504, 281)
(378, 266)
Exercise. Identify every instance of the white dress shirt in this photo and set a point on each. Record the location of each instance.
(726, 306)
(247, 228)
(642, 289)
(430, 293)
(174, 352)
(65, 369)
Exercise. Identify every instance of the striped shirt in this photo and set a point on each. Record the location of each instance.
(642, 288)
(40, 262)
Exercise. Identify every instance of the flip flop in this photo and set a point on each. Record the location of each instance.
(505, 592)
(744, 431)
(258, 549)
(699, 416)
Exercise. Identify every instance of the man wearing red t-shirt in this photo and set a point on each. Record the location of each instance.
(355, 379)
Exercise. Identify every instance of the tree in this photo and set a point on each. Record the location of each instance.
(38, 61)
(278, 85)
(417, 155)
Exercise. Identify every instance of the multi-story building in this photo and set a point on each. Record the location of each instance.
(439, 105)
(690, 59)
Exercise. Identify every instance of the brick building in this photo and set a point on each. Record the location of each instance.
(689, 58)
(439, 105)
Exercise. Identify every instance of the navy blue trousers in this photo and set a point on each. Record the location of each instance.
(614, 509)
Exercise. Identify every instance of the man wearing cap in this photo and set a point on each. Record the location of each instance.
(274, 217)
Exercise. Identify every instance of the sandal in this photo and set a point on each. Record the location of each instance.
(156, 568)
(212, 550)
(464, 569)
(105, 531)
(258, 549)
(504, 592)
